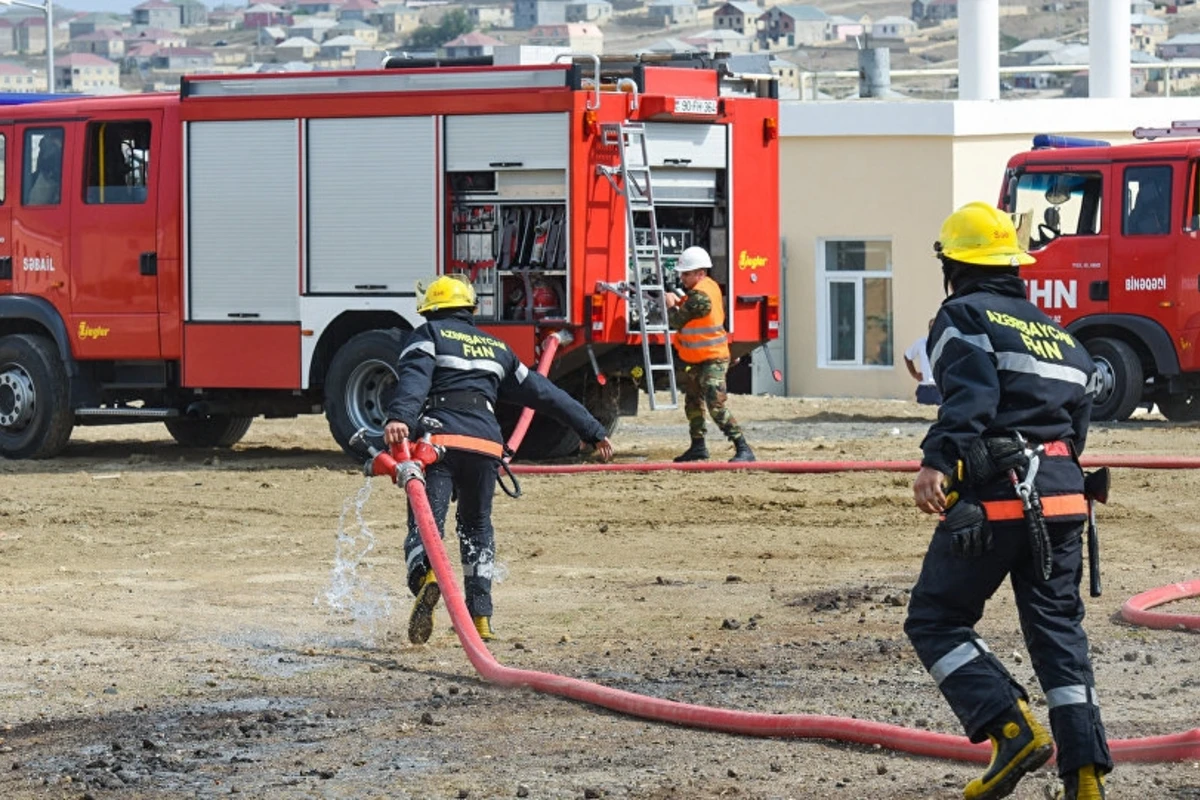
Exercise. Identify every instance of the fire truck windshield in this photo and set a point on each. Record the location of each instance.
(1050, 205)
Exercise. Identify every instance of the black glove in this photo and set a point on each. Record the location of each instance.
(988, 459)
(969, 529)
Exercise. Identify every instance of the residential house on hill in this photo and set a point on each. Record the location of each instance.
(184, 59)
(29, 34)
(316, 6)
(16, 78)
(934, 10)
(308, 27)
(722, 40)
(261, 15)
(1183, 45)
(528, 14)
(228, 19)
(893, 28)
(580, 37)
(471, 45)
(341, 48)
(192, 13)
(738, 16)
(490, 16)
(668, 46)
(1147, 32)
(8, 39)
(396, 19)
(158, 14)
(597, 11)
(106, 43)
(270, 35)
(297, 48)
(139, 56)
(90, 23)
(672, 12)
(158, 36)
(1025, 53)
(360, 10)
(842, 29)
(791, 26)
(86, 73)
(367, 34)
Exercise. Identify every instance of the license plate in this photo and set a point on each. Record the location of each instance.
(692, 105)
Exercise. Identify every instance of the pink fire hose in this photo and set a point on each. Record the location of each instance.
(400, 466)
(1137, 608)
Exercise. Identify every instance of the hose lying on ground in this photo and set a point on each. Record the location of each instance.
(1182, 746)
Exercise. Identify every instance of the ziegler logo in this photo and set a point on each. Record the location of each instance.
(88, 332)
(38, 264)
(1158, 284)
(750, 262)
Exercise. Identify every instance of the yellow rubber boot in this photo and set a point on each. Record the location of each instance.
(1086, 783)
(420, 621)
(1019, 746)
(483, 626)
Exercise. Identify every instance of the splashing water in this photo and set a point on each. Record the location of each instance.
(350, 592)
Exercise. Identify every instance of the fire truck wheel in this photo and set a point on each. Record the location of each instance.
(219, 430)
(548, 439)
(1121, 379)
(359, 385)
(35, 410)
(1180, 407)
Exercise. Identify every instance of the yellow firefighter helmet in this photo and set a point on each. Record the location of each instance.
(446, 292)
(982, 235)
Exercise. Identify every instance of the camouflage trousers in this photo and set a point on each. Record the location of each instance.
(704, 385)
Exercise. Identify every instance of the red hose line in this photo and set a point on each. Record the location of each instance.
(1127, 461)
(1183, 746)
(549, 348)
(1136, 609)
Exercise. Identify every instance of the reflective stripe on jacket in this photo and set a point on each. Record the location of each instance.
(704, 338)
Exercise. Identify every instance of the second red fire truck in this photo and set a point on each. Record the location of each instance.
(249, 246)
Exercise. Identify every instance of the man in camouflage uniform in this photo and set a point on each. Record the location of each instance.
(699, 318)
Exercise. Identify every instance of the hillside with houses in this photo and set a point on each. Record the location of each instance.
(813, 49)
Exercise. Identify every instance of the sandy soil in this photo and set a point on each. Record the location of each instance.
(178, 623)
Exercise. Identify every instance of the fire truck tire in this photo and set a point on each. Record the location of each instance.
(35, 410)
(1180, 407)
(359, 385)
(548, 439)
(1121, 379)
(219, 430)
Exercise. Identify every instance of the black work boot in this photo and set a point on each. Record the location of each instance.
(743, 452)
(1019, 746)
(697, 452)
(1085, 783)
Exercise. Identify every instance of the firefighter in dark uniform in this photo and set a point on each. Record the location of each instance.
(450, 376)
(1001, 465)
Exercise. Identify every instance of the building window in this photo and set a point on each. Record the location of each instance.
(855, 314)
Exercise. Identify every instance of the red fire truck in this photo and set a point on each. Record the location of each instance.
(250, 245)
(1116, 233)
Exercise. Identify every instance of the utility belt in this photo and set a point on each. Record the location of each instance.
(1018, 460)
(463, 401)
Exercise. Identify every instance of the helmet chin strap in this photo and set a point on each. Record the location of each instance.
(948, 271)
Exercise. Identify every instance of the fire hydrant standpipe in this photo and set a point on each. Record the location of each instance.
(1172, 747)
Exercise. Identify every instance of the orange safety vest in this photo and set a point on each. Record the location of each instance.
(704, 338)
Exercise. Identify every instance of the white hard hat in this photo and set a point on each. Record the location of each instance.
(693, 258)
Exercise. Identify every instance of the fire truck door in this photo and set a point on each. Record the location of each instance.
(1146, 222)
(114, 251)
(7, 154)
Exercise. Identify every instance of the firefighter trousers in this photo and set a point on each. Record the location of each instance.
(473, 477)
(948, 601)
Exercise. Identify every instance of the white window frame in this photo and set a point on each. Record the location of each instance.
(824, 278)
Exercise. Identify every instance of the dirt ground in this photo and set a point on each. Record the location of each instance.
(180, 624)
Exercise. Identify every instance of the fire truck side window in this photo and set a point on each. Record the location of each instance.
(1147, 210)
(118, 162)
(41, 179)
(1052, 205)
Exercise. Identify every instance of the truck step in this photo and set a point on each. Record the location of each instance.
(129, 413)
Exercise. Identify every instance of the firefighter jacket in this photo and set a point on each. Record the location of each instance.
(1004, 367)
(453, 372)
(701, 322)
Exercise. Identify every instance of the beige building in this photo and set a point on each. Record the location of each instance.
(861, 278)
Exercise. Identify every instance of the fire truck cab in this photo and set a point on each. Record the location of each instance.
(250, 246)
(1116, 233)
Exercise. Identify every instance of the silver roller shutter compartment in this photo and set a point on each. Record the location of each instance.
(372, 203)
(477, 142)
(675, 144)
(243, 221)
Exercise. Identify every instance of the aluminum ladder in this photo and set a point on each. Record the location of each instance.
(646, 293)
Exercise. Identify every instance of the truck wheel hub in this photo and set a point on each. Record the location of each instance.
(1108, 380)
(367, 393)
(16, 399)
